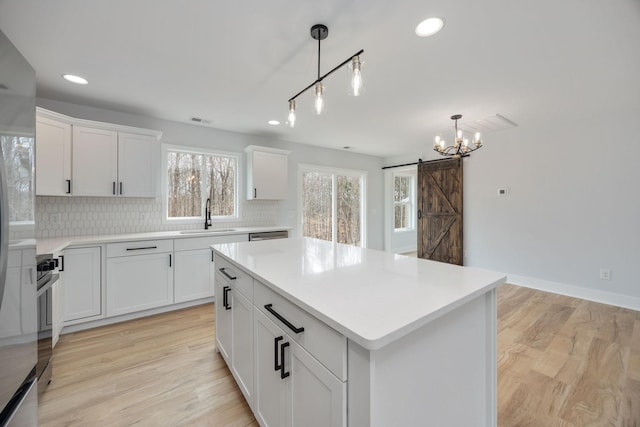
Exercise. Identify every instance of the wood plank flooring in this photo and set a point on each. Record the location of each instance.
(561, 362)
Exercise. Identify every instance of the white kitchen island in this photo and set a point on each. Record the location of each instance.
(387, 340)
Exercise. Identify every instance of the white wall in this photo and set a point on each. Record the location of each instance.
(200, 136)
(573, 206)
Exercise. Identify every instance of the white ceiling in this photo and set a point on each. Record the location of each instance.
(237, 63)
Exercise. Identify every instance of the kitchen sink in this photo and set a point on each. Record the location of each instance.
(219, 230)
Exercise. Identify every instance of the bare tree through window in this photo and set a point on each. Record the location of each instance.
(194, 177)
(18, 155)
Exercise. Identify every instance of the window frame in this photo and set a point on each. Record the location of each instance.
(360, 174)
(166, 148)
(412, 201)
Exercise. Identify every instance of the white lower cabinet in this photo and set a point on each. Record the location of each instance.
(139, 276)
(193, 275)
(292, 387)
(57, 309)
(81, 268)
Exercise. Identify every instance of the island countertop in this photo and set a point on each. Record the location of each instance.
(371, 297)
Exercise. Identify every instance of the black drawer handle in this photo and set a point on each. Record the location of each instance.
(142, 248)
(225, 297)
(227, 274)
(61, 263)
(68, 186)
(121, 188)
(114, 188)
(283, 374)
(283, 320)
(276, 365)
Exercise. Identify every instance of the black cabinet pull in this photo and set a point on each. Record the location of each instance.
(276, 365)
(114, 188)
(61, 263)
(212, 255)
(68, 186)
(227, 274)
(282, 319)
(283, 374)
(255, 193)
(169, 260)
(225, 297)
(121, 188)
(142, 248)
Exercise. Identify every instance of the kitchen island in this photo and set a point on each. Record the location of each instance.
(317, 333)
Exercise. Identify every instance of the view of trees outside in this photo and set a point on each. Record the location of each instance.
(402, 202)
(348, 215)
(317, 199)
(18, 154)
(318, 196)
(186, 172)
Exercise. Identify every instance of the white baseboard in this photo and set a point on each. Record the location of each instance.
(595, 295)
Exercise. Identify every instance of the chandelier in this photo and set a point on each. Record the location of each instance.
(320, 32)
(461, 146)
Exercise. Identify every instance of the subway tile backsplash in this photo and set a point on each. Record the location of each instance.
(83, 216)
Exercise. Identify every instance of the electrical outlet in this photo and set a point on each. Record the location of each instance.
(605, 274)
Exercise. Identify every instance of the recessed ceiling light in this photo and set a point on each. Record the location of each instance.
(75, 79)
(273, 122)
(429, 27)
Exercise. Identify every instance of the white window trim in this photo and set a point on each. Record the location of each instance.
(412, 203)
(204, 151)
(362, 175)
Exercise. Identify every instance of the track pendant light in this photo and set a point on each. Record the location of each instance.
(291, 119)
(320, 32)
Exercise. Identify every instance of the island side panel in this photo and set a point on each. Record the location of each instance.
(441, 374)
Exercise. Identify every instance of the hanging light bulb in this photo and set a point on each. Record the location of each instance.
(355, 68)
(319, 103)
(292, 113)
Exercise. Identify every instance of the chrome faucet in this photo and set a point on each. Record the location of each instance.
(207, 214)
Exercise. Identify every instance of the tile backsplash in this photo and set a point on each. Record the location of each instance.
(82, 216)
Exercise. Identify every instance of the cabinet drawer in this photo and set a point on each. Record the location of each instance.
(205, 242)
(241, 282)
(142, 247)
(323, 342)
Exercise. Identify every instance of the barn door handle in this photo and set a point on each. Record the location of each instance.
(419, 214)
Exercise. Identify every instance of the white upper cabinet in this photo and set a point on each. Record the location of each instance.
(136, 165)
(85, 158)
(95, 162)
(267, 173)
(53, 157)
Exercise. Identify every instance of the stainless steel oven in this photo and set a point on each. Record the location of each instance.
(47, 276)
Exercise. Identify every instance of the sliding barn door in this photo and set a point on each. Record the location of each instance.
(440, 210)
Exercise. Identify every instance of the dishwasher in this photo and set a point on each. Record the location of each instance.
(268, 235)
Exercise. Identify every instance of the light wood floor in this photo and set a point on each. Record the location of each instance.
(561, 362)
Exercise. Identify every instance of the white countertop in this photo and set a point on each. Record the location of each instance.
(371, 297)
(52, 245)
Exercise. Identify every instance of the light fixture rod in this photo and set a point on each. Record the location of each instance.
(320, 78)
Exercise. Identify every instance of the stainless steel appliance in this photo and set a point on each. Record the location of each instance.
(18, 323)
(268, 235)
(46, 268)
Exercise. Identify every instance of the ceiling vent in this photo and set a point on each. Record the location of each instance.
(492, 123)
(200, 121)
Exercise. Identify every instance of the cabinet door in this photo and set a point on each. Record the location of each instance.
(316, 397)
(242, 343)
(95, 162)
(270, 393)
(223, 318)
(269, 176)
(53, 158)
(136, 165)
(82, 279)
(57, 309)
(192, 275)
(139, 282)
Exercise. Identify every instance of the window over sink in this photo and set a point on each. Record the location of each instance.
(192, 176)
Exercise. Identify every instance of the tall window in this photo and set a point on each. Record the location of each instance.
(332, 204)
(403, 199)
(18, 155)
(195, 176)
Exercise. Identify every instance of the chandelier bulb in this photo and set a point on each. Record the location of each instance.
(291, 119)
(355, 69)
(319, 102)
